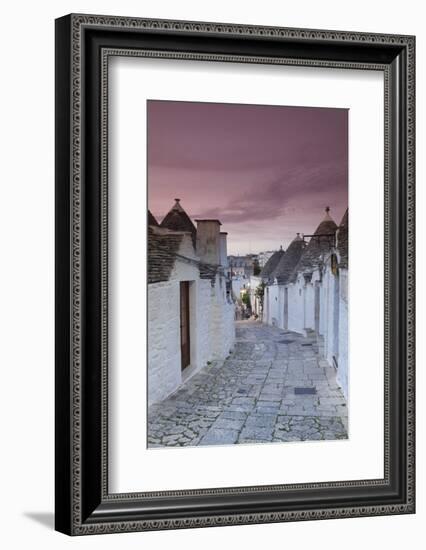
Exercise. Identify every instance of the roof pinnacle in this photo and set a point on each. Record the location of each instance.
(177, 205)
(327, 214)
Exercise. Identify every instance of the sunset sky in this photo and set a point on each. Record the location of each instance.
(265, 172)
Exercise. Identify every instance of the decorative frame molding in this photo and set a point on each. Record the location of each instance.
(84, 43)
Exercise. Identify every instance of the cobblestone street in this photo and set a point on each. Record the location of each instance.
(259, 394)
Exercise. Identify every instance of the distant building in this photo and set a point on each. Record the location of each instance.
(258, 282)
(238, 285)
(241, 266)
(190, 308)
(276, 310)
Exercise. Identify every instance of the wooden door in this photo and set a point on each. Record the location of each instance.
(184, 325)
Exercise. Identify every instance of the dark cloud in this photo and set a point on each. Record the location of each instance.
(247, 164)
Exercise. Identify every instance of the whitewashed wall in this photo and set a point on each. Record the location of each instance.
(212, 329)
(328, 321)
(273, 306)
(343, 370)
(281, 299)
(265, 305)
(255, 303)
(296, 305)
(330, 282)
(335, 300)
(309, 304)
(164, 359)
(201, 345)
(163, 340)
(323, 308)
(238, 284)
(222, 326)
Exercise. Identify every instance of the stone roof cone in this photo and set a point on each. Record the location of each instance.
(272, 263)
(151, 219)
(162, 250)
(317, 246)
(327, 225)
(178, 220)
(345, 219)
(289, 260)
(342, 238)
(327, 216)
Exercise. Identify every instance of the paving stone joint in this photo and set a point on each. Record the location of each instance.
(250, 397)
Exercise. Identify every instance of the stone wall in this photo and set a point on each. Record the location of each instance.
(254, 300)
(273, 306)
(212, 329)
(336, 322)
(343, 370)
(296, 306)
(332, 313)
(164, 355)
(323, 309)
(208, 241)
(163, 340)
(309, 303)
(222, 326)
(330, 283)
(238, 283)
(281, 299)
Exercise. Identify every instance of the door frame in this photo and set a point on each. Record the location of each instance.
(184, 305)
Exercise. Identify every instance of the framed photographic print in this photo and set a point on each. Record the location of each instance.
(234, 274)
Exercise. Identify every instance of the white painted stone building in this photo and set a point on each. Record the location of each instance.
(190, 309)
(335, 276)
(277, 311)
(239, 283)
(241, 266)
(312, 296)
(255, 300)
(259, 305)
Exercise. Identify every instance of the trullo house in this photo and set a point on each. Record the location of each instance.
(306, 291)
(190, 309)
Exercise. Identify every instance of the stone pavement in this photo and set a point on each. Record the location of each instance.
(251, 398)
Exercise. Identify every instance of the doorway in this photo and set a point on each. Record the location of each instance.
(285, 308)
(185, 343)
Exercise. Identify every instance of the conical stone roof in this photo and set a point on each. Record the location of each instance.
(178, 220)
(342, 239)
(162, 250)
(288, 261)
(151, 219)
(319, 245)
(271, 264)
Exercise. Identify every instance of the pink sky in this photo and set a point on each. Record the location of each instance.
(266, 172)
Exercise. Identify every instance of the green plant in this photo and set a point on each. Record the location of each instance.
(256, 267)
(246, 299)
(260, 291)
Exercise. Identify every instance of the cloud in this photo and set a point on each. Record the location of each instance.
(299, 187)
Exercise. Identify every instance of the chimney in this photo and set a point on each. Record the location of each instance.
(223, 249)
(208, 241)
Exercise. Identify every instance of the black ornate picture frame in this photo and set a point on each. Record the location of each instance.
(84, 44)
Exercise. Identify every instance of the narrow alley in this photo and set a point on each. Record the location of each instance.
(274, 387)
